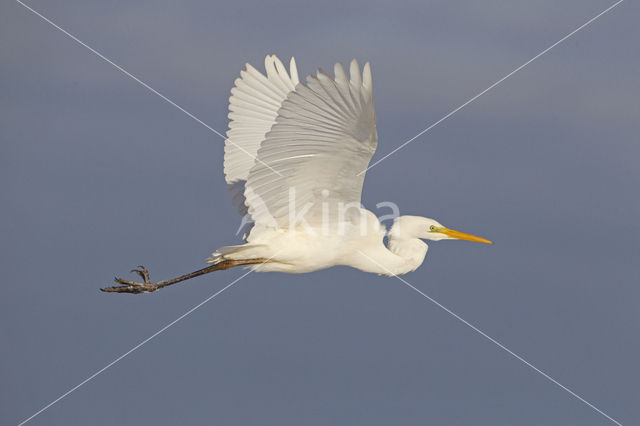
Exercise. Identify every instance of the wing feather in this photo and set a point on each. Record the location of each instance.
(253, 108)
(323, 138)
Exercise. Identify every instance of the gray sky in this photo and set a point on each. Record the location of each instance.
(99, 175)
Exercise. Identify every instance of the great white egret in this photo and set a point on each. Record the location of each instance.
(294, 162)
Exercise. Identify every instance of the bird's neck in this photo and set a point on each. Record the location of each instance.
(404, 251)
(410, 251)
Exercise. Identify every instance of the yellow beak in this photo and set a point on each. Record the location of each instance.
(462, 236)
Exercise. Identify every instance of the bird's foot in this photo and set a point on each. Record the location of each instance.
(127, 286)
(144, 274)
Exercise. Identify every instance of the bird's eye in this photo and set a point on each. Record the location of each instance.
(432, 228)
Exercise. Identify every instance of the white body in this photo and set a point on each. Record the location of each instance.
(358, 244)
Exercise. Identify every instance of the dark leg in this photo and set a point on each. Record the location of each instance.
(147, 286)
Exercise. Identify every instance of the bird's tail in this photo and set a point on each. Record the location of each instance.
(239, 252)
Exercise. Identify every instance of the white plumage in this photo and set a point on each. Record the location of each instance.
(294, 160)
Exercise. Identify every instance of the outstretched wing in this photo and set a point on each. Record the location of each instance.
(314, 156)
(253, 107)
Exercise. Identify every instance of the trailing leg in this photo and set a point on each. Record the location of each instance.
(147, 286)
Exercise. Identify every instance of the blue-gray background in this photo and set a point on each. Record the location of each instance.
(99, 175)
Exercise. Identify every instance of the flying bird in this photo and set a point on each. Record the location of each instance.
(295, 159)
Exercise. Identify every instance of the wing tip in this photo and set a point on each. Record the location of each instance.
(354, 73)
(293, 71)
(340, 73)
(367, 79)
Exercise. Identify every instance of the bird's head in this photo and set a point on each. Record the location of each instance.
(429, 229)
